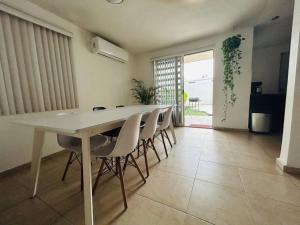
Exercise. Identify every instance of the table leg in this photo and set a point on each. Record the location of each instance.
(173, 131)
(38, 141)
(87, 179)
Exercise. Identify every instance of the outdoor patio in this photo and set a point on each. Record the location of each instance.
(198, 115)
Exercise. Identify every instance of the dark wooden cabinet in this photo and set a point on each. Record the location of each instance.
(269, 103)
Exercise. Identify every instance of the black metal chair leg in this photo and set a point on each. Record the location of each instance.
(137, 167)
(67, 166)
(163, 139)
(168, 138)
(99, 175)
(154, 149)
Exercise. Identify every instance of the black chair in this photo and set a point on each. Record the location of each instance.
(98, 108)
(142, 122)
(111, 133)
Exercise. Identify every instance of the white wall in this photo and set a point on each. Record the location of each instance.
(238, 115)
(266, 66)
(100, 81)
(290, 151)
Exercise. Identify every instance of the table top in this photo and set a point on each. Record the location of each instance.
(76, 121)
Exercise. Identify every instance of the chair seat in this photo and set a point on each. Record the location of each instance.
(104, 151)
(96, 142)
(112, 133)
(160, 127)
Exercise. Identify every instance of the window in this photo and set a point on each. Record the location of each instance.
(168, 79)
(36, 72)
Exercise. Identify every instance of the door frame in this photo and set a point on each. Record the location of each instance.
(182, 54)
(213, 86)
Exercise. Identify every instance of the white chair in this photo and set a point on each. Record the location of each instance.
(147, 135)
(162, 129)
(122, 147)
(74, 146)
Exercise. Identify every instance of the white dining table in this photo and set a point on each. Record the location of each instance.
(82, 125)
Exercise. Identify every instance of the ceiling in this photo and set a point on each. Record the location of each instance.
(146, 25)
(199, 56)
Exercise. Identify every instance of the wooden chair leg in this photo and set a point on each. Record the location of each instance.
(67, 166)
(107, 165)
(154, 149)
(138, 149)
(168, 138)
(99, 175)
(163, 139)
(137, 167)
(122, 182)
(125, 163)
(115, 161)
(145, 156)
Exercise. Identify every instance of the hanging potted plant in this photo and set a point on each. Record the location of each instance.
(231, 59)
(142, 94)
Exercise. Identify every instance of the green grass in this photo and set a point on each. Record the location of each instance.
(188, 111)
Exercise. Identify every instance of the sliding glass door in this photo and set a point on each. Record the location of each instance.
(168, 77)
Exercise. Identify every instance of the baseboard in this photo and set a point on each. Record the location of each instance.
(287, 169)
(229, 129)
(27, 165)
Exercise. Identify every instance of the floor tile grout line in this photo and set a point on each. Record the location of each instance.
(188, 205)
(161, 203)
(171, 207)
(247, 198)
(291, 178)
(13, 206)
(239, 167)
(221, 185)
(52, 208)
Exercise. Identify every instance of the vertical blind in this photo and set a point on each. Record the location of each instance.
(169, 81)
(36, 72)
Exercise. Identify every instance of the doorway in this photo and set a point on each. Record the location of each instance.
(198, 89)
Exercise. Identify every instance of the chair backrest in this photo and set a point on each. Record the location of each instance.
(98, 108)
(167, 118)
(65, 141)
(128, 136)
(150, 125)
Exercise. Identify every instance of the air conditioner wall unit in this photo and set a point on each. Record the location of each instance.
(103, 47)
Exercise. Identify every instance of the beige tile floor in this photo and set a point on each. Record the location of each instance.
(210, 177)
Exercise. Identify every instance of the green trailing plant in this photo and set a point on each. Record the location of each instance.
(232, 56)
(143, 95)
